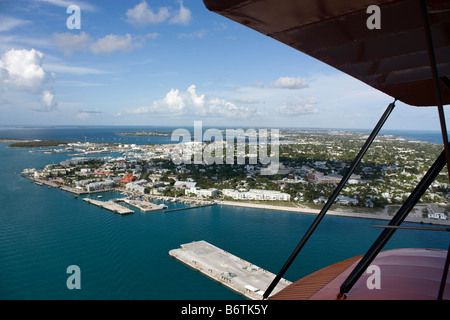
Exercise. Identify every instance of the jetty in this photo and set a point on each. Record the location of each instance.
(191, 207)
(233, 272)
(110, 205)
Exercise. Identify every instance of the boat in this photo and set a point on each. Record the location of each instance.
(163, 206)
(398, 47)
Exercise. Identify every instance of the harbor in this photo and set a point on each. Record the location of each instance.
(233, 272)
(110, 205)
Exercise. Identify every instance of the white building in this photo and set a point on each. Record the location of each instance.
(211, 192)
(437, 215)
(435, 212)
(255, 194)
(137, 186)
(100, 185)
(184, 184)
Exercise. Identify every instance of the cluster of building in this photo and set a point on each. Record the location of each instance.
(388, 177)
(256, 194)
(252, 194)
(320, 178)
(47, 172)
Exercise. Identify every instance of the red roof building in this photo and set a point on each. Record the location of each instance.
(127, 178)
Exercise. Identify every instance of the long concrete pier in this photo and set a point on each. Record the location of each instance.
(191, 207)
(235, 273)
(110, 205)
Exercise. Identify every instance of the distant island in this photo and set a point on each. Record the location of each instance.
(37, 143)
(144, 133)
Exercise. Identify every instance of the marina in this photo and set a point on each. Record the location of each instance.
(233, 272)
(110, 205)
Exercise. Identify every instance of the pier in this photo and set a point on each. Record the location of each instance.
(235, 273)
(110, 205)
(141, 204)
(192, 207)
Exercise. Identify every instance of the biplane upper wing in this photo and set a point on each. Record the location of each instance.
(393, 59)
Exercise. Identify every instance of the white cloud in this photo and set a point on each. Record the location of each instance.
(112, 42)
(65, 3)
(193, 35)
(189, 103)
(48, 101)
(70, 69)
(198, 101)
(69, 42)
(183, 16)
(298, 106)
(151, 35)
(142, 15)
(259, 84)
(22, 71)
(173, 103)
(88, 114)
(7, 23)
(248, 101)
(289, 83)
(223, 108)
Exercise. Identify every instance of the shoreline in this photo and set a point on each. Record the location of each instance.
(339, 213)
(348, 214)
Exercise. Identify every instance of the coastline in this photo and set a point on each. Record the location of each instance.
(348, 214)
(341, 213)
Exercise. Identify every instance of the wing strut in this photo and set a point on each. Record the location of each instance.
(443, 159)
(437, 85)
(331, 199)
(401, 214)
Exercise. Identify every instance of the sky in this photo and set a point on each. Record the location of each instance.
(171, 62)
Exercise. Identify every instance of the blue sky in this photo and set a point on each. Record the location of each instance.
(171, 62)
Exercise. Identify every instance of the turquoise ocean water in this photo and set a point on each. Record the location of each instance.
(43, 231)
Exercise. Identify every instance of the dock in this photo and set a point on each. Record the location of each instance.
(110, 205)
(235, 273)
(192, 207)
(141, 205)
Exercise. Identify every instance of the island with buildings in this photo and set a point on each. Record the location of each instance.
(145, 133)
(311, 164)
